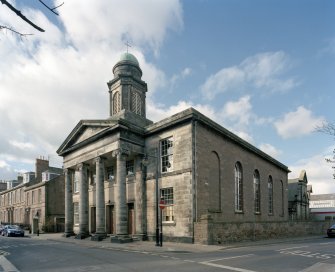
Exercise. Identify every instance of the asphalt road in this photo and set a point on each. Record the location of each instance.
(26, 254)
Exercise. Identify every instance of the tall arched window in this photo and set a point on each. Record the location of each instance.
(214, 187)
(270, 195)
(257, 192)
(116, 102)
(238, 188)
(136, 105)
(282, 197)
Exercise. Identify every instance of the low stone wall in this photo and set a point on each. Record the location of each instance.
(214, 233)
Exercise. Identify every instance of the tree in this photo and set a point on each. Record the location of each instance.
(328, 128)
(24, 18)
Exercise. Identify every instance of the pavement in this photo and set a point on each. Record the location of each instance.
(149, 246)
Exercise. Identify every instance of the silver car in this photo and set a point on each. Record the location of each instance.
(12, 230)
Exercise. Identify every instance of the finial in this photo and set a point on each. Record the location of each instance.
(128, 45)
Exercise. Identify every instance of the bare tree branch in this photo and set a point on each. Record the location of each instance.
(327, 128)
(18, 13)
(14, 31)
(51, 9)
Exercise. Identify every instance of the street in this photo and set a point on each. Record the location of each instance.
(63, 255)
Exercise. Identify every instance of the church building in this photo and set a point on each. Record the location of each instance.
(120, 172)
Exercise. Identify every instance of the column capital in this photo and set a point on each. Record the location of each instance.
(81, 165)
(121, 151)
(99, 159)
(68, 171)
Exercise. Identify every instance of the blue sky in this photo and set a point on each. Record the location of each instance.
(263, 69)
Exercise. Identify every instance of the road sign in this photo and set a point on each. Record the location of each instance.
(161, 204)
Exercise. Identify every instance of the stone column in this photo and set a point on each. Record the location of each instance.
(68, 173)
(140, 199)
(100, 198)
(83, 202)
(121, 194)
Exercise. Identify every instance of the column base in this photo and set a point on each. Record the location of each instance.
(98, 236)
(121, 239)
(81, 236)
(68, 234)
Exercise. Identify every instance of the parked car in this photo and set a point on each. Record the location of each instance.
(1, 228)
(331, 231)
(12, 230)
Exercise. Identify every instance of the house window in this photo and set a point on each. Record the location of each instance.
(116, 102)
(167, 155)
(136, 105)
(167, 197)
(33, 197)
(110, 173)
(238, 188)
(270, 195)
(130, 167)
(76, 213)
(39, 196)
(257, 192)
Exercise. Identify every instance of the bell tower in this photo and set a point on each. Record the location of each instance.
(127, 91)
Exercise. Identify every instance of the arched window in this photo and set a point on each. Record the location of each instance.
(270, 195)
(238, 188)
(257, 192)
(136, 105)
(116, 102)
(282, 198)
(214, 187)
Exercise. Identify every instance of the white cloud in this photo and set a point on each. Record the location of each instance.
(264, 71)
(298, 123)
(51, 80)
(159, 112)
(319, 173)
(22, 145)
(270, 150)
(239, 112)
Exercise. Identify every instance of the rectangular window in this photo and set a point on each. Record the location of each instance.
(166, 147)
(76, 213)
(39, 196)
(130, 167)
(167, 197)
(32, 197)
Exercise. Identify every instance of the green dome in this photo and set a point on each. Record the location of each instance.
(129, 57)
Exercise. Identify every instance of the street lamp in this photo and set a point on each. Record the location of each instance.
(145, 163)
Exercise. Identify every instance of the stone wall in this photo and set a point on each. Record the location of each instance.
(216, 156)
(213, 233)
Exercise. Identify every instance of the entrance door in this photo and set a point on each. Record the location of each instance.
(93, 219)
(131, 217)
(109, 219)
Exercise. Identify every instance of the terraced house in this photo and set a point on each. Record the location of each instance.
(214, 185)
(38, 202)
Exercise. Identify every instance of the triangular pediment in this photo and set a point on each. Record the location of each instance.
(85, 131)
(88, 132)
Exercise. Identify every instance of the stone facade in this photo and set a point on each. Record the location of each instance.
(298, 197)
(39, 204)
(118, 169)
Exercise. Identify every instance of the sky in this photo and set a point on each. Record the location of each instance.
(263, 69)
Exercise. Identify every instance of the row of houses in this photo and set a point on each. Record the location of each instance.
(212, 184)
(36, 202)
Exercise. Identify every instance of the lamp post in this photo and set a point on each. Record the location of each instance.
(145, 163)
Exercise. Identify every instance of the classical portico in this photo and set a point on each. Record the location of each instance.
(102, 162)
